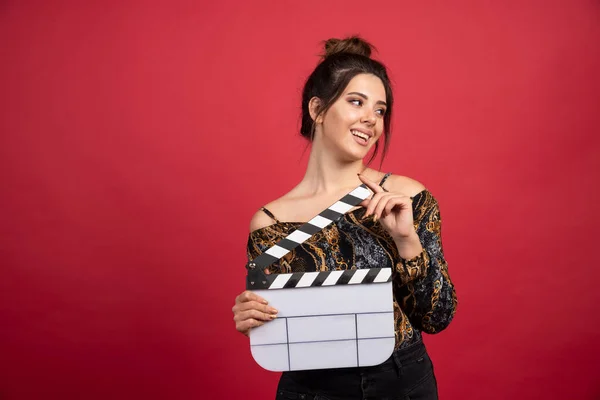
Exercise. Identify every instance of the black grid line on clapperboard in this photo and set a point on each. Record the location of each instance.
(356, 339)
(327, 340)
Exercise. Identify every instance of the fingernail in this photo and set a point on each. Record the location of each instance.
(273, 316)
(375, 218)
(273, 311)
(265, 302)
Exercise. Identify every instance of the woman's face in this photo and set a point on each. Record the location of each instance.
(353, 124)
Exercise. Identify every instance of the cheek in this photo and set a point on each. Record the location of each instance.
(379, 128)
(342, 120)
(354, 115)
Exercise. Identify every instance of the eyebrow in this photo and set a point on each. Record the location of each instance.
(364, 96)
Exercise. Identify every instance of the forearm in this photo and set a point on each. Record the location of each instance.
(430, 302)
(413, 260)
(427, 294)
(409, 247)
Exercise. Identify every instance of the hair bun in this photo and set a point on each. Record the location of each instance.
(352, 45)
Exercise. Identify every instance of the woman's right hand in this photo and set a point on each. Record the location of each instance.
(250, 311)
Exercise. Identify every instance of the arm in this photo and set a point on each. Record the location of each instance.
(426, 293)
(261, 239)
(251, 310)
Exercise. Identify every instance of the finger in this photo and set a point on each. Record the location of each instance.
(365, 203)
(253, 314)
(250, 296)
(248, 324)
(370, 184)
(371, 205)
(404, 201)
(254, 305)
(382, 206)
(375, 201)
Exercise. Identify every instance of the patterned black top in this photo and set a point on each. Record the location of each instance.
(424, 296)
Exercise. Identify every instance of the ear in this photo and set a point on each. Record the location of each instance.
(313, 108)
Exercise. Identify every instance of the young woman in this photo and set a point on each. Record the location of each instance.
(346, 110)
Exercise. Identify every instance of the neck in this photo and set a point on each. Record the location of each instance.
(329, 175)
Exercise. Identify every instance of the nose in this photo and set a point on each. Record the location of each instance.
(369, 117)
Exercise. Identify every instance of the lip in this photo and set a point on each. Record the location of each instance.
(366, 132)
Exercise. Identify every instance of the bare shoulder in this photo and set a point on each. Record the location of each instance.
(403, 184)
(260, 220)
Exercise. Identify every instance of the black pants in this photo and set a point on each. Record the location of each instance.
(407, 374)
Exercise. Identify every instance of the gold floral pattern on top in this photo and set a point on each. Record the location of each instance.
(424, 296)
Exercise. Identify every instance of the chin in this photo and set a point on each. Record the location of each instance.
(351, 152)
(355, 156)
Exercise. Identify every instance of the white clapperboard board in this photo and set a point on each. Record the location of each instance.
(331, 319)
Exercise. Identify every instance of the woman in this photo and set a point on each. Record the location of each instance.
(346, 109)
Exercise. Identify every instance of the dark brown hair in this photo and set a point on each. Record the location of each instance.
(343, 60)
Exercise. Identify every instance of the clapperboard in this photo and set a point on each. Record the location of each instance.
(330, 319)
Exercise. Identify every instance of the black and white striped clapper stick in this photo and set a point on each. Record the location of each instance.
(299, 236)
(328, 319)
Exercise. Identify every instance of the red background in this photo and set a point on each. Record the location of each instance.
(137, 139)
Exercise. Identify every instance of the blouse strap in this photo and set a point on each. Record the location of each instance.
(384, 179)
(269, 213)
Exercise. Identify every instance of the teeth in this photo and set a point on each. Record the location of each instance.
(360, 134)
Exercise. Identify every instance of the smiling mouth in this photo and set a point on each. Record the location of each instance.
(360, 135)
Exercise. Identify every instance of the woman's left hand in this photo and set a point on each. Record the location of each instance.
(393, 210)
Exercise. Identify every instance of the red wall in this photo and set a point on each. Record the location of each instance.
(137, 139)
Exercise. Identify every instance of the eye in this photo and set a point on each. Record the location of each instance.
(381, 111)
(356, 102)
